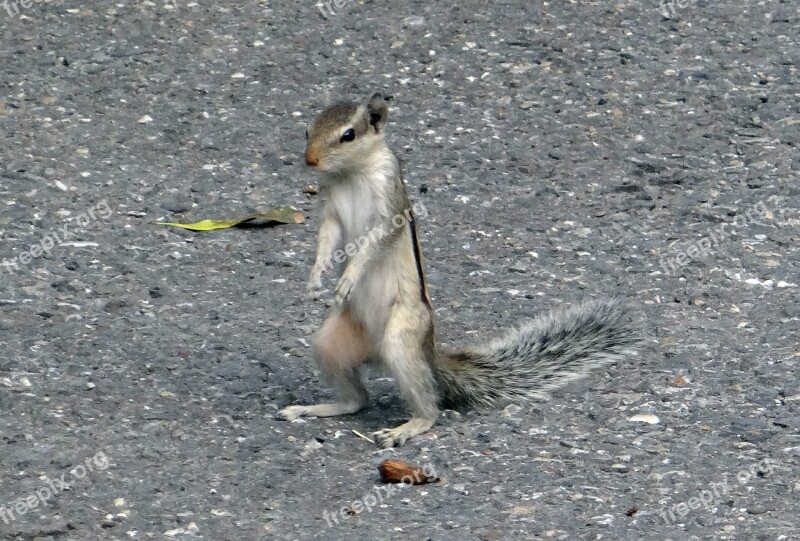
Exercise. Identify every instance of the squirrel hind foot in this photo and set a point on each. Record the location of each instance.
(320, 410)
(395, 437)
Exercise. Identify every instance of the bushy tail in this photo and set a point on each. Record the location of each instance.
(540, 356)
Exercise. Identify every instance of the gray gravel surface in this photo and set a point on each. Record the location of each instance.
(563, 150)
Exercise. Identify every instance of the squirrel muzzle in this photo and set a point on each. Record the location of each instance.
(312, 159)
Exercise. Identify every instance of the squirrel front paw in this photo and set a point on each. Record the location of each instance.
(344, 289)
(314, 287)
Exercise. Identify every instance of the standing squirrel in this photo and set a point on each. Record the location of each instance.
(382, 312)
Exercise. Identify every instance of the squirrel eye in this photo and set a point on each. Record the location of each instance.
(306, 135)
(348, 136)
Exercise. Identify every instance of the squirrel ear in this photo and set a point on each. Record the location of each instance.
(378, 112)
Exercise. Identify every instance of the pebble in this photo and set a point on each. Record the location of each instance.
(645, 418)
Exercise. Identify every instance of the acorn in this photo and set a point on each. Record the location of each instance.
(397, 471)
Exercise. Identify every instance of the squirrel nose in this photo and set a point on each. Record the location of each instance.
(311, 160)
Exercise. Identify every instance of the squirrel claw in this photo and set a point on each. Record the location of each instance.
(314, 286)
(291, 413)
(343, 290)
(388, 438)
(394, 437)
(313, 291)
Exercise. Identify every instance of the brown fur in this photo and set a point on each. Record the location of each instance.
(340, 343)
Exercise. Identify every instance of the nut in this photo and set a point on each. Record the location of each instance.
(397, 471)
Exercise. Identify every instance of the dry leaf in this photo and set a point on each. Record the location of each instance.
(284, 215)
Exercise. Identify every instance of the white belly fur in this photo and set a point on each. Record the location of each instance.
(360, 207)
(380, 288)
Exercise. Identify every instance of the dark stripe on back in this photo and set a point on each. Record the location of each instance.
(423, 288)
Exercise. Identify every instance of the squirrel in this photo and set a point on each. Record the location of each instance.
(382, 312)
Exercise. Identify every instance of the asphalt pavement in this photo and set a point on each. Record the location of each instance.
(562, 150)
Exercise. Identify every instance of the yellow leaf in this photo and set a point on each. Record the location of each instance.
(204, 225)
(284, 215)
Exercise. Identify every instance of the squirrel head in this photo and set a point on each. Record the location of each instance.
(346, 135)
